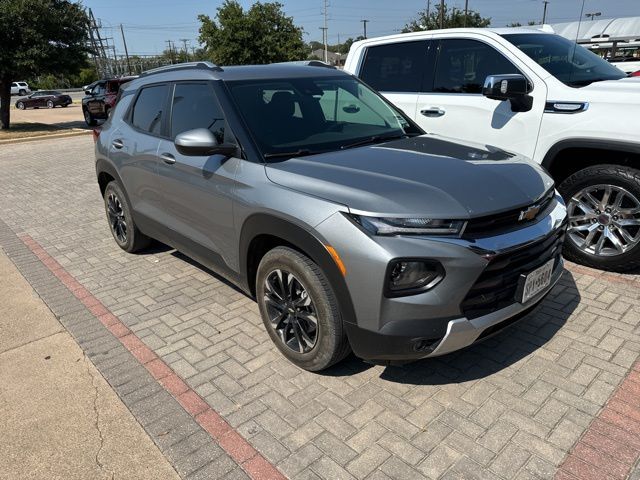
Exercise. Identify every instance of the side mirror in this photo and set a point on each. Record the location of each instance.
(88, 91)
(512, 87)
(200, 142)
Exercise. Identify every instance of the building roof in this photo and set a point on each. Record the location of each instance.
(606, 29)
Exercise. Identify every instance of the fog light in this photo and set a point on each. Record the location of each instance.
(409, 276)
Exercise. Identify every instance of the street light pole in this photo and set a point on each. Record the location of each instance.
(544, 13)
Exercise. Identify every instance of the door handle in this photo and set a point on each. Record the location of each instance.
(117, 144)
(432, 112)
(168, 158)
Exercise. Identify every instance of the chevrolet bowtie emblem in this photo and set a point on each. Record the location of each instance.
(529, 214)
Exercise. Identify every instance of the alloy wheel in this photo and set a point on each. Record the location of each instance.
(117, 218)
(291, 311)
(604, 220)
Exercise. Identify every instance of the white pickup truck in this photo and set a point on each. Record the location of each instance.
(537, 94)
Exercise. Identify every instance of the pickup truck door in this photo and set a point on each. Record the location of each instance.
(453, 105)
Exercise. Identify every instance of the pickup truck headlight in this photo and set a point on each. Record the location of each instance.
(409, 226)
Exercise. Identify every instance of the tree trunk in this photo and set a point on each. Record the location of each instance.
(5, 103)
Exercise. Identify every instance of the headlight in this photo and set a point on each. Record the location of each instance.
(406, 277)
(409, 226)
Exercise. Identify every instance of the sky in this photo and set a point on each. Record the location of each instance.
(148, 24)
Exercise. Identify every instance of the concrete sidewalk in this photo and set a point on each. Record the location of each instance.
(58, 417)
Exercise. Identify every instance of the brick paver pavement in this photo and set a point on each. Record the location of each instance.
(512, 407)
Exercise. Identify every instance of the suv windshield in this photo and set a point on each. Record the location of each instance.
(313, 115)
(567, 61)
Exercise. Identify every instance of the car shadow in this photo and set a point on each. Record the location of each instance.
(208, 271)
(488, 357)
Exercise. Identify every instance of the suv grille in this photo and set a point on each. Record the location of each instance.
(496, 287)
(507, 221)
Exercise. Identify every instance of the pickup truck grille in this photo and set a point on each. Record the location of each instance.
(507, 221)
(496, 287)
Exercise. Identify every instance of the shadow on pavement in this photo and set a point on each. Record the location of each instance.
(488, 357)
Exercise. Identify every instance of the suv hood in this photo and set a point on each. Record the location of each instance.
(627, 85)
(425, 175)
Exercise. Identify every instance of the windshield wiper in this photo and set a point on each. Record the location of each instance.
(295, 153)
(374, 139)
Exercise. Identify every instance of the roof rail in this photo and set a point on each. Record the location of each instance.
(182, 66)
(309, 63)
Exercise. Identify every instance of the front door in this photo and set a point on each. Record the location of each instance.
(197, 190)
(455, 107)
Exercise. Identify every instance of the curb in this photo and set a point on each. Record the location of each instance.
(73, 133)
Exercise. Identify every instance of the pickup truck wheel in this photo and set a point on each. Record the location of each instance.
(121, 223)
(299, 310)
(88, 118)
(603, 204)
(22, 92)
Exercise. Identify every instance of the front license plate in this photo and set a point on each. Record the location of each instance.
(536, 281)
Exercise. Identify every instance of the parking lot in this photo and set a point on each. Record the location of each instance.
(557, 395)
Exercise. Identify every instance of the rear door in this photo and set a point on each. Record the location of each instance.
(95, 104)
(453, 105)
(398, 71)
(197, 190)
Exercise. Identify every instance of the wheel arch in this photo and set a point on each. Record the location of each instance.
(262, 232)
(569, 156)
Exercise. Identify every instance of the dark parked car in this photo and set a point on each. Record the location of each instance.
(44, 98)
(101, 97)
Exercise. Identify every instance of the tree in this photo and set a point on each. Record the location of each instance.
(38, 37)
(518, 24)
(452, 18)
(262, 34)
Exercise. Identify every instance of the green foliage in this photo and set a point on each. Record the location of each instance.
(518, 24)
(262, 34)
(452, 18)
(39, 37)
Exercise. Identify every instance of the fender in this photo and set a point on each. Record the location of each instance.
(305, 241)
(615, 145)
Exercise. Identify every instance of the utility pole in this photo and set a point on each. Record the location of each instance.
(168, 42)
(544, 12)
(126, 51)
(441, 14)
(364, 25)
(466, 9)
(324, 32)
(186, 52)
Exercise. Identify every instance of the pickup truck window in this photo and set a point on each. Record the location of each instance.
(566, 60)
(395, 67)
(463, 65)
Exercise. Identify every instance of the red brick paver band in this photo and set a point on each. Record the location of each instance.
(241, 451)
(610, 447)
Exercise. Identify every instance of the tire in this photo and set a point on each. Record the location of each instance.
(22, 92)
(330, 344)
(50, 104)
(65, 105)
(88, 118)
(121, 223)
(20, 106)
(603, 234)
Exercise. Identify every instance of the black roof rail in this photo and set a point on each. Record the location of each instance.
(182, 66)
(309, 63)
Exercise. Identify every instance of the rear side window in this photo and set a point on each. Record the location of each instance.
(463, 66)
(147, 112)
(396, 67)
(195, 106)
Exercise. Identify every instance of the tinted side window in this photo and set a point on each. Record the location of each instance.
(147, 112)
(195, 106)
(463, 66)
(397, 67)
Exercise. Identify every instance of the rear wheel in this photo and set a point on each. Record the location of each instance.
(603, 203)
(299, 310)
(22, 92)
(50, 104)
(88, 118)
(20, 106)
(121, 223)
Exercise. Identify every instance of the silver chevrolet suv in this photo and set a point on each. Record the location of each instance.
(351, 228)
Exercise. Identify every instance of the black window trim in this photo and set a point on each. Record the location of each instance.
(128, 118)
(436, 59)
(427, 72)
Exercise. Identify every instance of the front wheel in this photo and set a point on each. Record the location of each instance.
(20, 106)
(121, 223)
(300, 310)
(50, 104)
(22, 92)
(603, 203)
(88, 118)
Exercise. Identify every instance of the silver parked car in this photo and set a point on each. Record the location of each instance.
(352, 228)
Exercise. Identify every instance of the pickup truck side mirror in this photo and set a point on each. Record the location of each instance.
(201, 141)
(512, 87)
